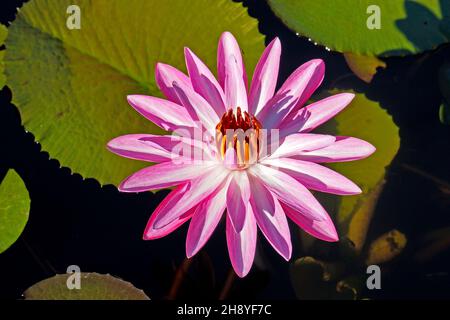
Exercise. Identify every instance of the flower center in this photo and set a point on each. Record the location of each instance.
(238, 131)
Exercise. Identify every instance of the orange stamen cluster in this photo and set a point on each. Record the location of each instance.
(239, 131)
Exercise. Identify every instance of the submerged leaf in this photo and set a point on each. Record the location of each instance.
(386, 247)
(444, 113)
(93, 286)
(75, 100)
(359, 224)
(313, 279)
(365, 67)
(14, 209)
(310, 279)
(351, 287)
(363, 119)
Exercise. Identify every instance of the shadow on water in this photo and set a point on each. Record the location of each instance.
(422, 27)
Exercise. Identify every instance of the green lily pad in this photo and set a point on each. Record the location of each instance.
(444, 81)
(444, 113)
(365, 120)
(364, 67)
(93, 286)
(14, 209)
(362, 216)
(444, 85)
(406, 27)
(386, 247)
(3, 34)
(71, 85)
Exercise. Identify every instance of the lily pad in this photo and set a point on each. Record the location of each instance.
(362, 216)
(406, 26)
(93, 286)
(351, 287)
(314, 279)
(444, 81)
(14, 209)
(310, 279)
(444, 85)
(386, 247)
(444, 113)
(3, 34)
(366, 120)
(364, 67)
(70, 85)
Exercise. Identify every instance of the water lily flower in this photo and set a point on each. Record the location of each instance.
(252, 180)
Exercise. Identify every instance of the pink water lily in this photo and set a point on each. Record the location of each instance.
(235, 176)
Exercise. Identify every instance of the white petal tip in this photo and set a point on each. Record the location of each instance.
(160, 65)
(227, 34)
(287, 256)
(317, 62)
(351, 189)
(371, 149)
(187, 51)
(146, 237)
(191, 251)
(334, 238)
(346, 97)
(275, 43)
(241, 274)
(162, 68)
(131, 99)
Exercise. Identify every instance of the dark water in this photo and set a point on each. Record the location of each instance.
(75, 221)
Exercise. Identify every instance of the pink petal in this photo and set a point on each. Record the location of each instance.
(191, 100)
(197, 190)
(205, 220)
(298, 142)
(165, 76)
(242, 245)
(323, 230)
(204, 82)
(344, 149)
(156, 148)
(271, 219)
(238, 195)
(163, 175)
(315, 114)
(265, 77)
(293, 94)
(235, 89)
(289, 191)
(227, 48)
(230, 160)
(151, 232)
(163, 113)
(314, 176)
